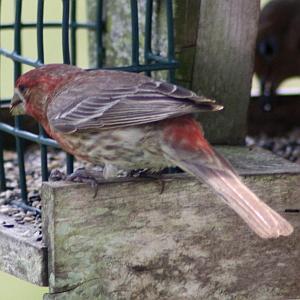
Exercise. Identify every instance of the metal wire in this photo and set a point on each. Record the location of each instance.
(18, 119)
(69, 27)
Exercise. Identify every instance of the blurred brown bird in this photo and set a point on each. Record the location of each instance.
(277, 53)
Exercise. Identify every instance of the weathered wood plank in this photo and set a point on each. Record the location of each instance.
(186, 18)
(223, 65)
(131, 242)
(21, 255)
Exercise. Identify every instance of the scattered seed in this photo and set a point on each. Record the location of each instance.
(26, 233)
(30, 213)
(36, 203)
(19, 214)
(36, 234)
(8, 225)
(8, 194)
(8, 209)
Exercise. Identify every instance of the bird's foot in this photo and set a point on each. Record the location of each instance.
(80, 175)
(145, 173)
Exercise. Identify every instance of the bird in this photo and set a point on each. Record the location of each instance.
(277, 51)
(129, 121)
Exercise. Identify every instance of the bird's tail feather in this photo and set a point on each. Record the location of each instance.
(224, 181)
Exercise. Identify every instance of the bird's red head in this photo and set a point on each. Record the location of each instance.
(35, 88)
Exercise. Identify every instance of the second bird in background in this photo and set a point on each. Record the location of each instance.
(277, 53)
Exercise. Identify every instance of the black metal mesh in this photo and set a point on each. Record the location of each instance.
(69, 27)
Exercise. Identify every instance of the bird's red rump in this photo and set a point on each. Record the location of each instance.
(186, 133)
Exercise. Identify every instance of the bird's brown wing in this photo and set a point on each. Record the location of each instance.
(88, 105)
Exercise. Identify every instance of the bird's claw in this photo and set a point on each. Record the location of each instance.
(80, 175)
(86, 176)
(144, 173)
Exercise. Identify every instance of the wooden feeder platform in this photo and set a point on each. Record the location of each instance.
(131, 242)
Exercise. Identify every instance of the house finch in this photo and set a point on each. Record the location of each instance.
(129, 121)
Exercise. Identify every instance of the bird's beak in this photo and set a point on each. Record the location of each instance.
(17, 105)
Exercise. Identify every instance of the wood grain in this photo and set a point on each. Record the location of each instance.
(222, 68)
(20, 254)
(131, 242)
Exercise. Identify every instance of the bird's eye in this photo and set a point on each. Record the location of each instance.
(22, 88)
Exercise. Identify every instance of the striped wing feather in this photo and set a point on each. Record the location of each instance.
(90, 106)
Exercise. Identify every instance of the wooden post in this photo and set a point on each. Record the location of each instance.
(21, 255)
(217, 60)
(131, 242)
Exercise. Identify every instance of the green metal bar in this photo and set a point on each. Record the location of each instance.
(99, 31)
(150, 67)
(66, 59)
(134, 33)
(48, 24)
(2, 170)
(40, 31)
(28, 135)
(158, 58)
(171, 53)
(17, 58)
(18, 120)
(40, 51)
(5, 102)
(73, 32)
(65, 32)
(148, 34)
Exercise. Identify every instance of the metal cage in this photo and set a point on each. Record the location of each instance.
(69, 26)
